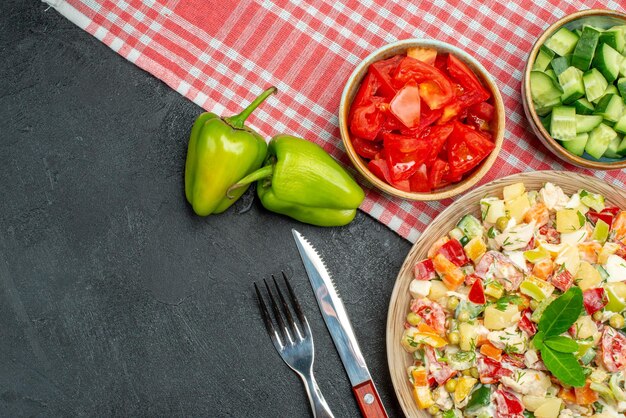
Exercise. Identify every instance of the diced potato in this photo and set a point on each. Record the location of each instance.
(570, 258)
(512, 191)
(569, 220)
(550, 408)
(532, 402)
(518, 207)
(494, 289)
(438, 290)
(496, 319)
(585, 327)
(574, 238)
(609, 248)
(468, 336)
(587, 277)
(495, 210)
(475, 248)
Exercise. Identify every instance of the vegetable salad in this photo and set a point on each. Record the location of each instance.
(521, 313)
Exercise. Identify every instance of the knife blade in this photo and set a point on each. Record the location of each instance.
(336, 318)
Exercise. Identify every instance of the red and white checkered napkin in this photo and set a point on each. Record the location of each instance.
(222, 54)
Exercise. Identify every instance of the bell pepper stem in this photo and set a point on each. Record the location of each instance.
(237, 121)
(259, 174)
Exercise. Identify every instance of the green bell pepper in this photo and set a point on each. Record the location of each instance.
(300, 180)
(221, 152)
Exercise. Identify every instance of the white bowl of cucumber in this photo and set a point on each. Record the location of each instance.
(574, 89)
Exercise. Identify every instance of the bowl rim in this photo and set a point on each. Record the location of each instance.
(536, 125)
(392, 344)
(456, 188)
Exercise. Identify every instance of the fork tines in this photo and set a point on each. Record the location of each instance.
(289, 330)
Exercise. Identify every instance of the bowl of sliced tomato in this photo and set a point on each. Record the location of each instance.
(421, 119)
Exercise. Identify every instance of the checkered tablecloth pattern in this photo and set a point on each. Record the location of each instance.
(222, 54)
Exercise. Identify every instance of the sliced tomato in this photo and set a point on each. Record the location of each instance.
(366, 149)
(431, 312)
(466, 149)
(437, 174)
(438, 90)
(483, 110)
(368, 88)
(436, 137)
(428, 117)
(450, 111)
(594, 300)
(367, 120)
(613, 350)
(383, 70)
(380, 168)
(405, 155)
(562, 279)
(419, 180)
(425, 270)
(477, 293)
(405, 105)
(461, 73)
(477, 123)
(454, 252)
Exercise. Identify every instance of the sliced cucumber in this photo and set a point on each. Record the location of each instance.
(621, 87)
(470, 226)
(552, 74)
(577, 145)
(607, 61)
(595, 84)
(545, 121)
(587, 123)
(544, 56)
(611, 151)
(620, 125)
(610, 89)
(610, 107)
(621, 150)
(585, 48)
(563, 123)
(543, 89)
(622, 68)
(599, 140)
(613, 37)
(562, 42)
(583, 106)
(560, 64)
(571, 81)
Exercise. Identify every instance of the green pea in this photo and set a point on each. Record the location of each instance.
(454, 337)
(502, 222)
(451, 385)
(597, 316)
(433, 410)
(413, 318)
(474, 373)
(453, 302)
(617, 321)
(464, 316)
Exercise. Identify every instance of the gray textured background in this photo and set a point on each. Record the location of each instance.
(115, 299)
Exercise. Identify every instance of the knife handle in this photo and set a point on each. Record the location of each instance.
(368, 400)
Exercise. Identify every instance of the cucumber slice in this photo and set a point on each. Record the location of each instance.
(613, 37)
(587, 123)
(577, 145)
(543, 89)
(621, 150)
(622, 68)
(595, 84)
(470, 226)
(544, 56)
(571, 81)
(585, 48)
(610, 107)
(562, 42)
(599, 140)
(610, 89)
(611, 151)
(552, 74)
(583, 106)
(620, 125)
(607, 61)
(563, 123)
(621, 87)
(560, 64)
(545, 121)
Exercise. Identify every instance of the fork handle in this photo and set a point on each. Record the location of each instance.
(318, 403)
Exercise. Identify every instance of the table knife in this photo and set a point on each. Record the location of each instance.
(336, 318)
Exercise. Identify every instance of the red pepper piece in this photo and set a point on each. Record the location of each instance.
(366, 149)
(526, 325)
(507, 405)
(382, 70)
(562, 279)
(425, 270)
(477, 293)
(454, 252)
(605, 216)
(465, 76)
(594, 300)
(436, 93)
(612, 210)
(419, 180)
(405, 105)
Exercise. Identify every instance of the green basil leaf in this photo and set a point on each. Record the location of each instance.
(563, 366)
(561, 344)
(562, 312)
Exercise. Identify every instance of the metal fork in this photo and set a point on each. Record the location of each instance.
(294, 343)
